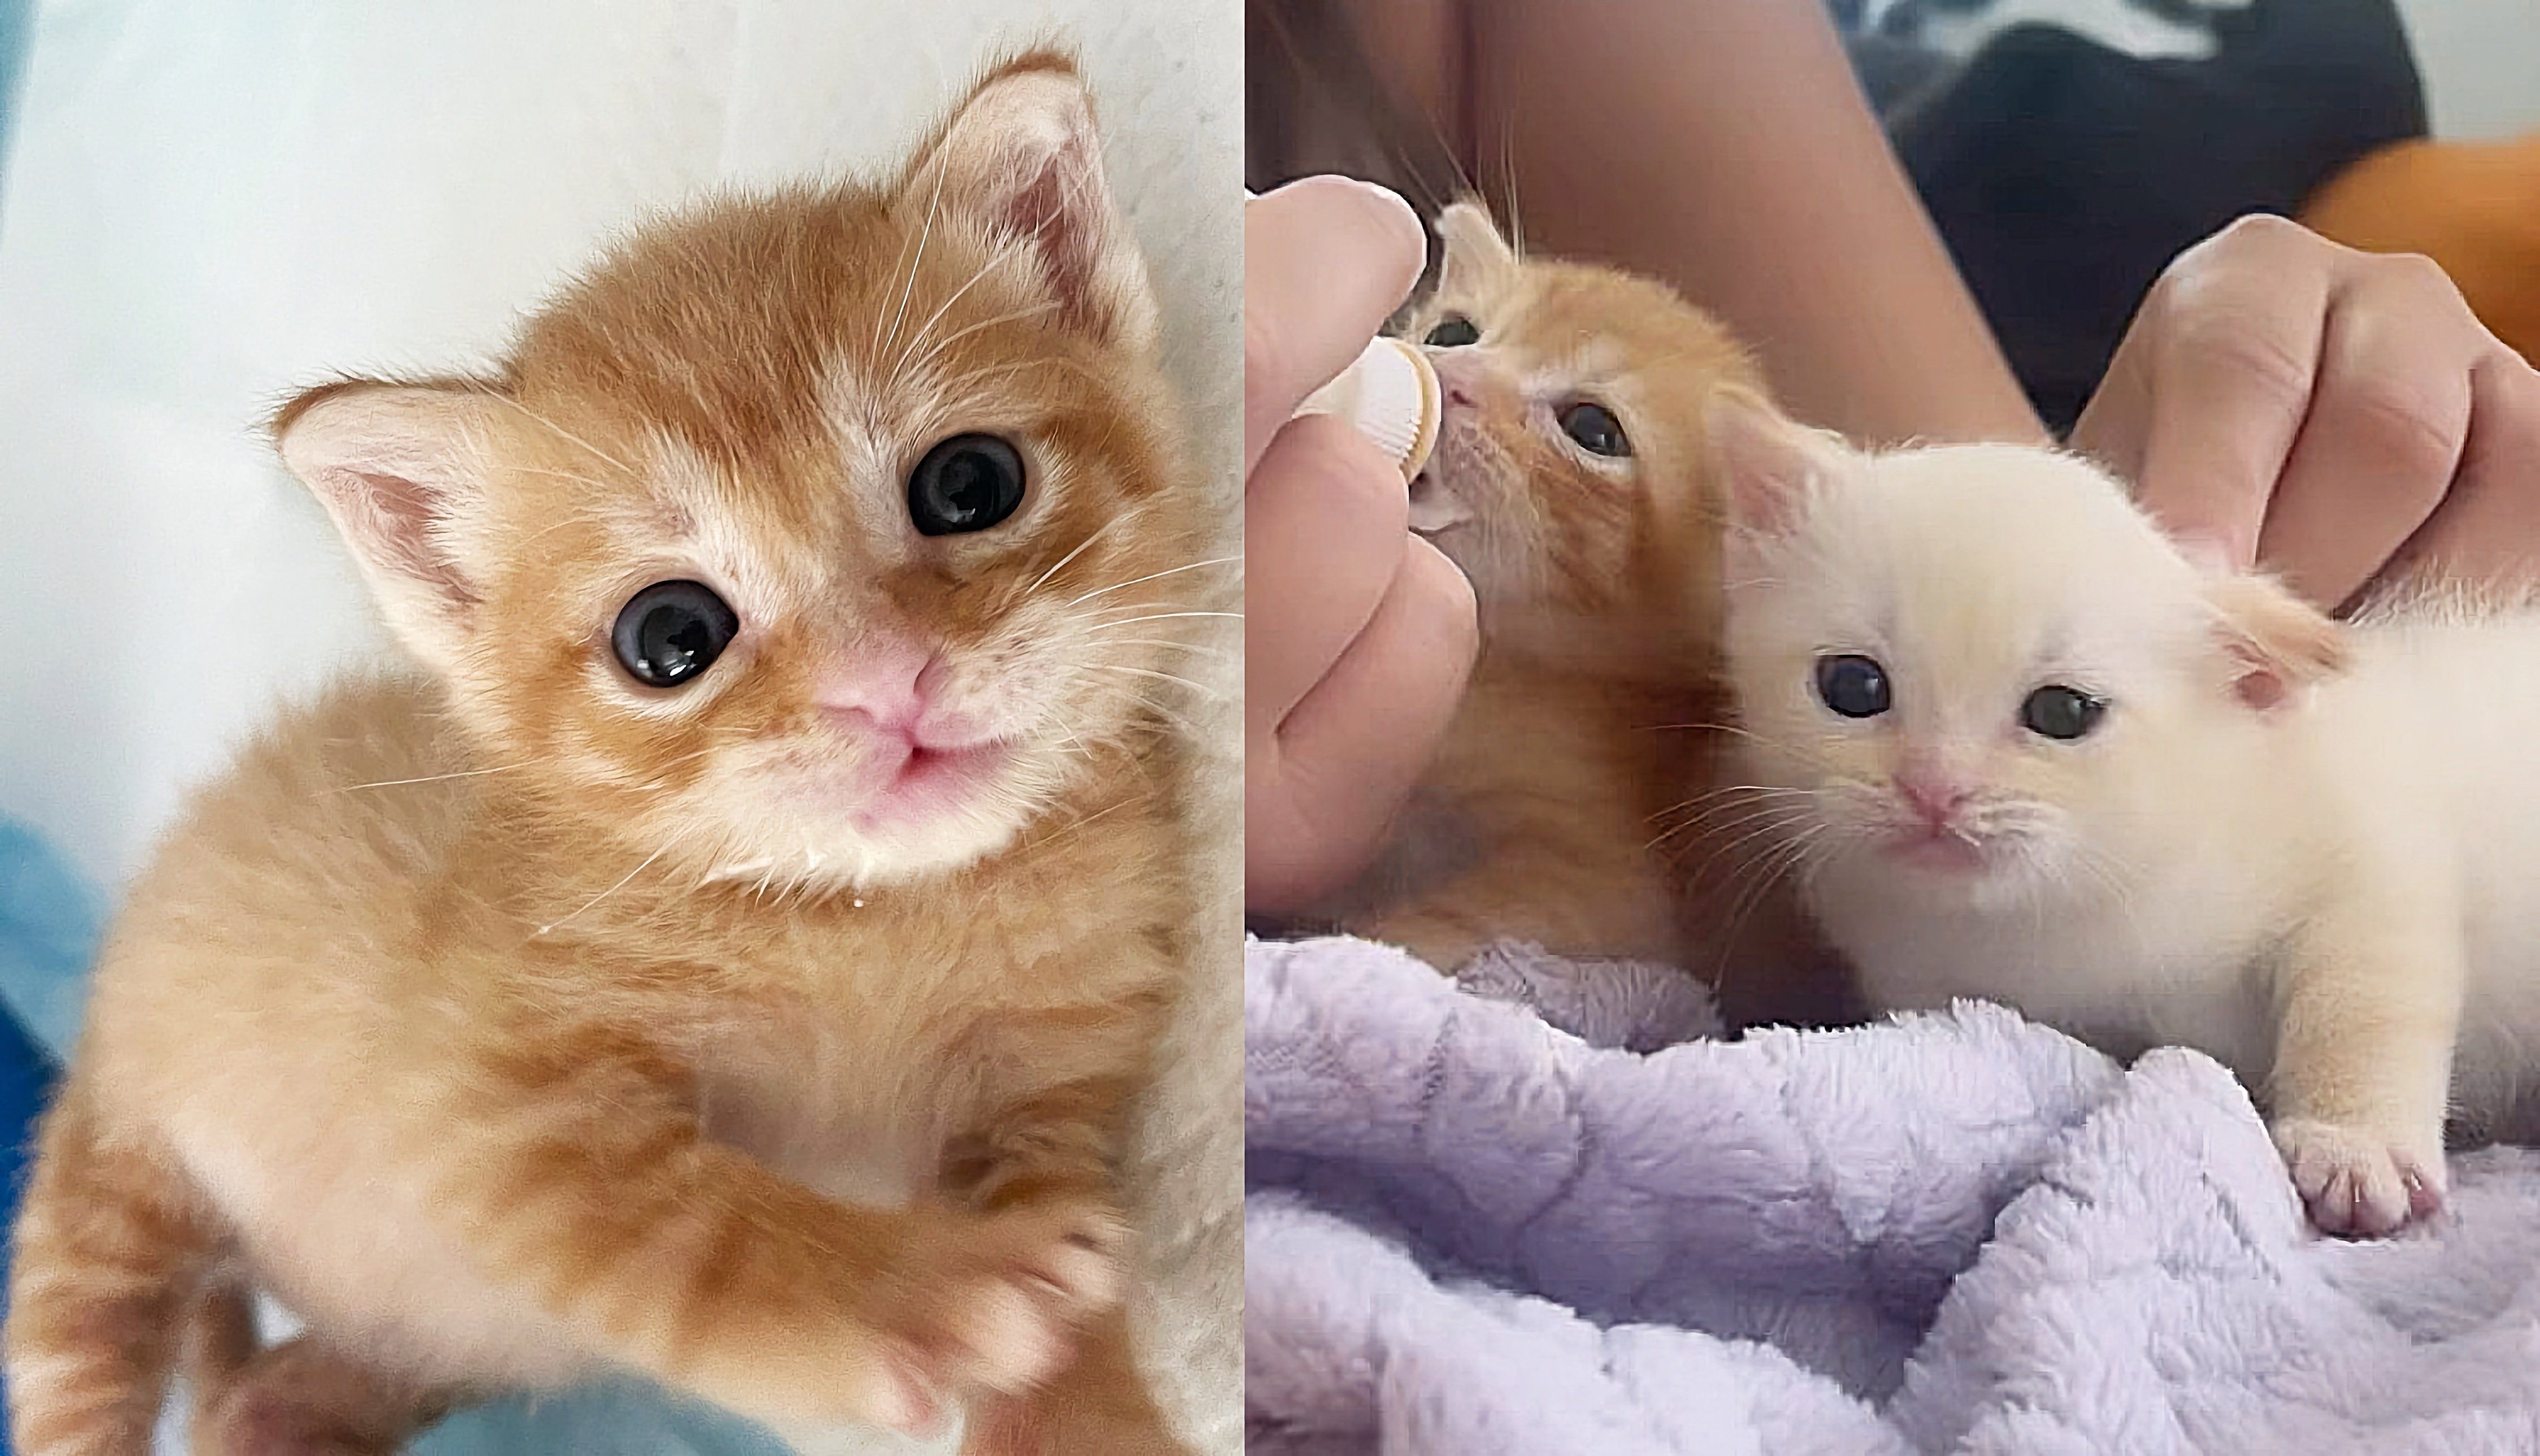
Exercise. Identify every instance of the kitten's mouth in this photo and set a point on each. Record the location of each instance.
(1940, 849)
(1435, 508)
(929, 781)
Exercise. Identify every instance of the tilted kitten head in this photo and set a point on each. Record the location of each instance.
(1569, 474)
(813, 534)
(1981, 667)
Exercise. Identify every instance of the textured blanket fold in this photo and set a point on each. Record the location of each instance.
(1470, 1232)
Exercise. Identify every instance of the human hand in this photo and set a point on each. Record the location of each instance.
(1358, 634)
(2338, 417)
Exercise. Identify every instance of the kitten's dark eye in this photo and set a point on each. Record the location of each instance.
(1854, 686)
(671, 632)
(966, 483)
(1453, 331)
(1595, 428)
(2060, 711)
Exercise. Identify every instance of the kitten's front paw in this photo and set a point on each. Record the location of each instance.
(1016, 1285)
(2356, 1182)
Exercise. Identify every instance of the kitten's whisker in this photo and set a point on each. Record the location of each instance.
(574, 477)
(1168, 616)
(561, 432)
(1721, 791)
(997, 260)
(1157, 705)
(1188, 647)
(1706, 727)
(909, 284)
(2105, 870)
(1740, 811)
(1784, 824)
(1782, 866)
(501, 767)
(1151, 576)
(1508, 186)
(727, 874)
(1205, 692)
(1070, 556)
(969, 380)
(604, 894)
(1081, 821)
(1717, 825)
(935, 350)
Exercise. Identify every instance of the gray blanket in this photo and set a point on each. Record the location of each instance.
(1472, 1234)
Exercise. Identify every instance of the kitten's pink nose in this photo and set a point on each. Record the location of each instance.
(1936, 798)
(1460, 379)
(880, 687)
(897, 690)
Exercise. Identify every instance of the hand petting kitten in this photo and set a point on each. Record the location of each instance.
(2338, 417)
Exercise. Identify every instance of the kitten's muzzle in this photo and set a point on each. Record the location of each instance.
(1935, 827)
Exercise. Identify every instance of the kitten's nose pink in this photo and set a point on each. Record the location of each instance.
(1460, 379)
(880, 687)
(1934, 798)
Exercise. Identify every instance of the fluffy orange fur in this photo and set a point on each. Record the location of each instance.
(519, 1020)
(1554, 812)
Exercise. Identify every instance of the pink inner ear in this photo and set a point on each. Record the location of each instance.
(1767, 463)
(2260, 689)
(397, 515)
(1046, 208)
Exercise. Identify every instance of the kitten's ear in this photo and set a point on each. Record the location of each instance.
(1022, 158)
(1766, 463)
(1477, 259)
(400, 467)
(2277, 643)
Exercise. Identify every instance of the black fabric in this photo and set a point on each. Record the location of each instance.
(2065, 176)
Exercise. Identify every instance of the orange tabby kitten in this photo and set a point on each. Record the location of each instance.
(1571, 484)
(732, 961)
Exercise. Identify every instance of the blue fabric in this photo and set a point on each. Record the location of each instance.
(615, 1420)
(50, 923)
(48, 930)
(17, 19)
(26, 1077)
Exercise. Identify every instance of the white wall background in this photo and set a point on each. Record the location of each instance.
(2481, 61)
(211, 202)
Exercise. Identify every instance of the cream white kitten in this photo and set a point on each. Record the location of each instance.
(2020, 747)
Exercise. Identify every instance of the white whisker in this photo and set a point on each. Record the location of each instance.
(1070, 556)
(1168, 616)
(604, 894)
(504, 768)
(1167, 572)
(1151, 672)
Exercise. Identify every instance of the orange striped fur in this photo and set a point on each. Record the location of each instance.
(511, 1022)
(1545, 817)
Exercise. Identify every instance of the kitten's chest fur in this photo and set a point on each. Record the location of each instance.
(856, 1108)
(845, 1039)
(1535, 821)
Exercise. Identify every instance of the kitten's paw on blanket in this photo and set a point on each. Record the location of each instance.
(2358, 1182)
